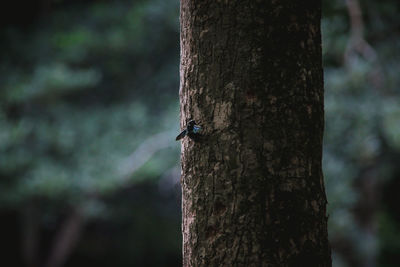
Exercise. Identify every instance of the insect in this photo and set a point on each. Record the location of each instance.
(192, 130)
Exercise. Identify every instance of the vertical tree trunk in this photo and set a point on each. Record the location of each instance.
(253, 192)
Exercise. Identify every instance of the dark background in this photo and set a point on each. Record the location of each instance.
(89, 169)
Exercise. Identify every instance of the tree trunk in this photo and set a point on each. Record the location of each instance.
(253, 192)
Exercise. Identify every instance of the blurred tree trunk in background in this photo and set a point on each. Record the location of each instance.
(253, 192)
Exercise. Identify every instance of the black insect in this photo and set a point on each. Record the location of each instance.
(192, 130)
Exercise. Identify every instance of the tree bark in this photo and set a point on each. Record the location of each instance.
(253, 192)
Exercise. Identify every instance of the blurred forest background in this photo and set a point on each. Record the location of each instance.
(89, 168)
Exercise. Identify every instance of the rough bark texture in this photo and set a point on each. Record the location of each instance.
(253, 192)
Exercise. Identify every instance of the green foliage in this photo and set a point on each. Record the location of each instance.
(82, 90)
(362, 126)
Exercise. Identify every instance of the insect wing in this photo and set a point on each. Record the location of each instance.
(181, 135)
